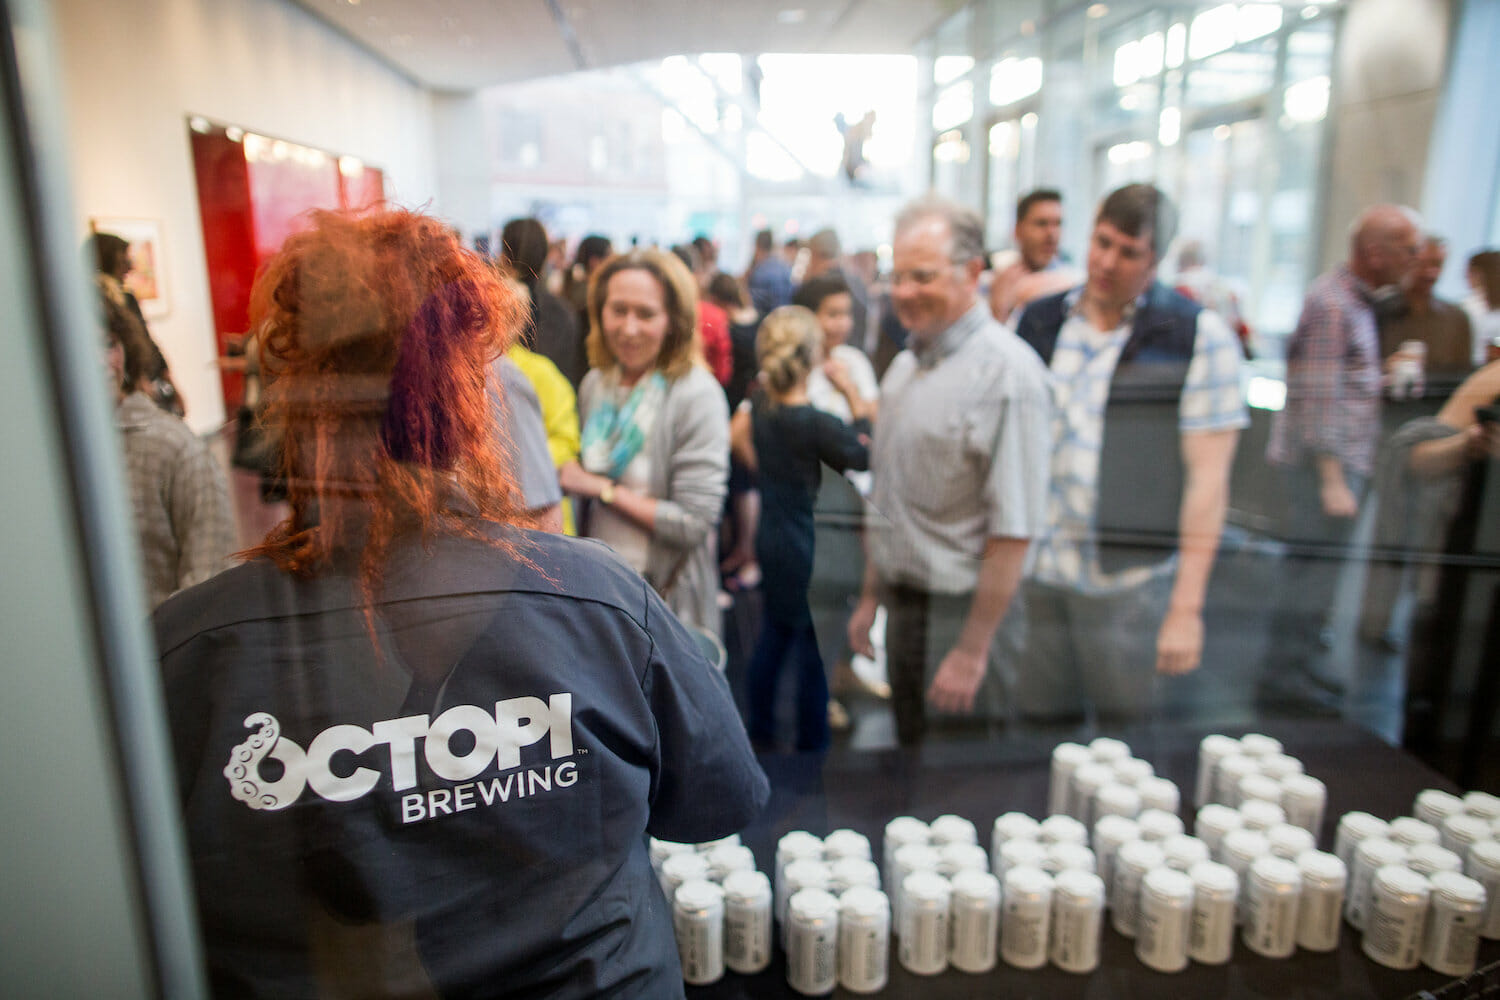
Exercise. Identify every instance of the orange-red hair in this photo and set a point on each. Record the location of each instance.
(380, 330)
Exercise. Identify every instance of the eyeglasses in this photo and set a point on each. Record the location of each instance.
(922, 277)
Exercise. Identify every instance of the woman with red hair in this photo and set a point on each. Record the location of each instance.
(418, 744)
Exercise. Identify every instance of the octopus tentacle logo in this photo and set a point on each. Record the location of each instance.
(243, 770)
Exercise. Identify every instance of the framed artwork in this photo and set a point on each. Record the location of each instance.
(147, 278)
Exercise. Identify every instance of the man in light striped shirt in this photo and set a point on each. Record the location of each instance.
(1148, 413)
(960, 469)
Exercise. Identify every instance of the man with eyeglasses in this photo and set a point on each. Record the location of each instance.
(1325, 439)
(959, 462)
(1148, 413)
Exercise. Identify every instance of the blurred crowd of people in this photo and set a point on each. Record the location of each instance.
(1021, 464)
(1039, 449)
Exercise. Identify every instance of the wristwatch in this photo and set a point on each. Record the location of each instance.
(607, 495)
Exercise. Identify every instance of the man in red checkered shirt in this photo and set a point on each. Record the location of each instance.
(1325, 438)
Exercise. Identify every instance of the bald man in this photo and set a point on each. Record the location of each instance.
(1325, 438)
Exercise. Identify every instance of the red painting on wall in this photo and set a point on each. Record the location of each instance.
(254, 192)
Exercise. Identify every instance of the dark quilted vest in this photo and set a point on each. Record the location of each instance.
(1140, 464)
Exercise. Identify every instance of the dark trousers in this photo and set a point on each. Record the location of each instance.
(1317, 551)
(920, 629)
(778, 643)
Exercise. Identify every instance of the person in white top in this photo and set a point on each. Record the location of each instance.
(829, 299)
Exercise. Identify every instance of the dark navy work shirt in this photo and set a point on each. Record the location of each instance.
(460, 810)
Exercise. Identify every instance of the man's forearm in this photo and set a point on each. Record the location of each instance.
(1331, 472)
(999, 576)
(1200, 524)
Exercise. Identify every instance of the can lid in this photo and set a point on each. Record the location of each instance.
(799, 843)
(1466, 828)
(1014, 825)
(813, 904)
(915, 857)
(1025, 880)
(906, 830)
(926, 886)
(1378, 851)
(746, 885)
(1246, 844)
(1280, 765)
(1273, 871)
(1238, 765)
(1320, 866)
(952, 829)
(1260, 814)
(1304, 786)
(1063, 857)
(685, 865)
(1119, 799)
(1079, 886)
(698, 894)
(1260, 786)
(1260, 745)
(1141, 854)
(1219, 744)
(1289, 841)
(1071, 753)
(1108, 749)
(1431, 858)
(855, 871)
(971, 884)
(1486, 853)
(865, 902)
(663, 849)
(1362, 824)
(1168, 884)
(1435, 800)
(1133, 770)
(1402, 881)
(1455, 888)
(1410, 832)
(1094, 775)
(1219, 817)
(1016, 853)
(960, 857)
(1482, 804)
(1211, 876)
(1160, 793)
(1184, 851)
(846, 844)
(807, 872)
(1118, 829)
(1062, 829)
(1158, 824)
(732, 840)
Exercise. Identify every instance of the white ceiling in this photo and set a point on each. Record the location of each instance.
(467, 44)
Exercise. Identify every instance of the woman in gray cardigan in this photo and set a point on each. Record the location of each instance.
(655, 455)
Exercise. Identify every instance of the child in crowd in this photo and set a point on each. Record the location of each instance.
(787, 440)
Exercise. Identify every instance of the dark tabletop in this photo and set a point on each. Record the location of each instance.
(981, 780)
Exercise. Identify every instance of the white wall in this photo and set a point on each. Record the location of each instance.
(135, 69)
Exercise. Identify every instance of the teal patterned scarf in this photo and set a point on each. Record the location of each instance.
(616, 431)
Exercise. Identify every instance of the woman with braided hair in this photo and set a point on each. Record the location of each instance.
(788, 441)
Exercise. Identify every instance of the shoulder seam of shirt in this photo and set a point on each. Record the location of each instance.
(344, 606)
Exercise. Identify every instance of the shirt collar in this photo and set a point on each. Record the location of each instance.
(1073, 305)
(1356, 284)
(952, 338)
(135, 410)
